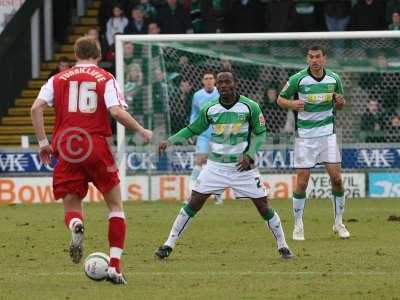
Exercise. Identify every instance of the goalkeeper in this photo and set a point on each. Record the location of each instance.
(237, 133)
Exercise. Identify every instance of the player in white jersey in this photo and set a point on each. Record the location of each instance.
(208, 93)
(319, 93)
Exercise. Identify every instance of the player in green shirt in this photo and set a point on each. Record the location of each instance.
(318, 93)
(238, 131)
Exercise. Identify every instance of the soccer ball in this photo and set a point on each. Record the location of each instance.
(96, 265)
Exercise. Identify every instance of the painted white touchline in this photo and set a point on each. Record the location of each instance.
(219, 273)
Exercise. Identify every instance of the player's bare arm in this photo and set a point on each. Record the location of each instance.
(122, 116)
(296, 105)
(38, 124)
(339, 101)
(198, 126)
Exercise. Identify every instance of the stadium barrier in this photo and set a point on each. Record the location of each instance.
(29, 190)
(371, 172)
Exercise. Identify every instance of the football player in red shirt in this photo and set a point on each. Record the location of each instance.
(83, 97)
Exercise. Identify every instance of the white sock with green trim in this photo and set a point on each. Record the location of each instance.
(338, 202)
(182, 221)
(274, 223)
(299, 200)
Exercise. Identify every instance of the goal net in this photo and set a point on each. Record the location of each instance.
(159, 75)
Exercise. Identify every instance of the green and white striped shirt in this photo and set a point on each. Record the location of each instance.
(318, 118)
(232, 128)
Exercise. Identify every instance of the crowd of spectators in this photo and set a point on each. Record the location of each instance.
(243, 16)
(211, 16)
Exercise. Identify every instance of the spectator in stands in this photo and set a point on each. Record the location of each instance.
(383, 82)
(246, 16)
(391, 7)
(274, 114)
(94, 33)
(115, 24)
(137, 23)
(214, 13)
(110, 54)
(337, 18)
(63, 64)
(337, 15)
(306, 18)
(395, 21)
(148, 9)
(194, 9)
(186, 69)
(372, 125)
(393, 130)
(368, 15)
(160, 92)
(180, 111)
(173, 19)
(280, 16)
(153, 28)
(128, 53)
(375, 80)
(134, 88)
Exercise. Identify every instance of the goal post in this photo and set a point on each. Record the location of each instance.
(156, 70)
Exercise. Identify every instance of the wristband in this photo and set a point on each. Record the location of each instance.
(43, 143)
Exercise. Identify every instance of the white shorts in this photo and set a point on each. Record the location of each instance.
(215, 177)
(313, 151)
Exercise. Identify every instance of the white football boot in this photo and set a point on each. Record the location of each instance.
(298, 232)
(341, 230)
(115, 277)
(76, 245)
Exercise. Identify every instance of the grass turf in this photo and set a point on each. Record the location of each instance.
(226, 253)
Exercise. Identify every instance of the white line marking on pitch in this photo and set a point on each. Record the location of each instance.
(240, 273)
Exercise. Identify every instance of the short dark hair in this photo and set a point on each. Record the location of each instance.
(208, 72)
(228, 71)
(317, 48)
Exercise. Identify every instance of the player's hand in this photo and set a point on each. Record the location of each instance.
(163, 145)
(298, 105)
(339, 101)
(146, 135)
(45, 154)
(245, 163)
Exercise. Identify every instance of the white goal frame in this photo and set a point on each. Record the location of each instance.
(119, 60)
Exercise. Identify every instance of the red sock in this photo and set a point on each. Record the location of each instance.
(116, 237)
(114, 262)
(72, 215)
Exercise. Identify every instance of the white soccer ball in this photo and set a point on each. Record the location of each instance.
(96, 265)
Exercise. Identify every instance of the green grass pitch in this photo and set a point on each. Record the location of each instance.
(226, 253)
